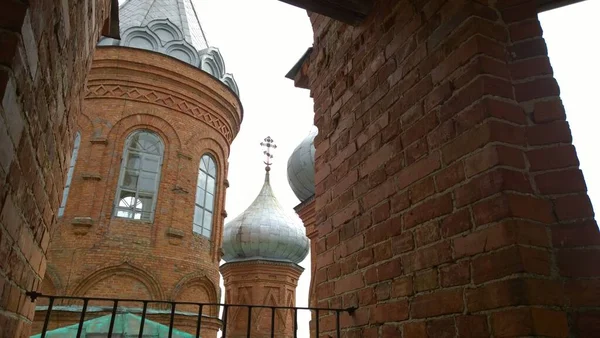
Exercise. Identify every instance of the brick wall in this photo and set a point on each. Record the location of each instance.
(41, 80)
(449, 198)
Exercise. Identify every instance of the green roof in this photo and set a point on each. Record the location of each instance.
(126, 325)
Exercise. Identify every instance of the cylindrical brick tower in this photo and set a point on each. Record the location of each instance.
(262, 248)
(143, 207)
(301, 177)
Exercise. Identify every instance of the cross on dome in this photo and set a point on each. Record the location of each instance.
(269, 146)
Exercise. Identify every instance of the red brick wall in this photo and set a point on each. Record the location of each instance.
(449, 198)
(41, 80)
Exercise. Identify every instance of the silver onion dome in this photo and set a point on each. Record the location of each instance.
(301, 167)
(264, 231)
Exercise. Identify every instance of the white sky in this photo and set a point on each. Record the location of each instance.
(571, 35)
(261, 40)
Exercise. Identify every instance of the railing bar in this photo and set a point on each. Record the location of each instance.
(225, 307)
(171, 320)
(82, 318)
(272, 322)
(317, 324)
(199, 321)
(337, 324)
(143, 319)
(50, 304)
(112, 318)
(295, 323)
(193, 303)
(249, 329)
(86, 300)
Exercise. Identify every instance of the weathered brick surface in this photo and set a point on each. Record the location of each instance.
(41, 82)
(469, 206)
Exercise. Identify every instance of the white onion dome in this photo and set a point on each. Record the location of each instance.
(169, 27)
(264, 231)
(301, 167)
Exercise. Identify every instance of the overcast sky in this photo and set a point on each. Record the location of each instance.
(571, 35)
(262, 39)
(260, 42)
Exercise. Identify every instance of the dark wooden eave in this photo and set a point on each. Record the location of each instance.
(546, 5)
(298, 73)
(352, 12)
(111, 25)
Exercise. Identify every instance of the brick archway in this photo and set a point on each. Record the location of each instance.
(197, 282)
(125, 270)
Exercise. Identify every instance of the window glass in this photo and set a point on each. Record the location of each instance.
(65, 195)
(205, 200)
(140, 175)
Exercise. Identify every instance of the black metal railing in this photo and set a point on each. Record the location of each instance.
(201, 306)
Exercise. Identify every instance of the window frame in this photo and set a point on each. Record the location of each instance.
(123, 169)
(70, 173)
(203, 227)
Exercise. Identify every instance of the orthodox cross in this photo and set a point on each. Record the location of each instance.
(269, 145)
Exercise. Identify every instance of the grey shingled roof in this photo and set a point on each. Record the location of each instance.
(181, 13)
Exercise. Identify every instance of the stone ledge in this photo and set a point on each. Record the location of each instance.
(82, 225)
(182, 155)
(176, 233)
(179, 190)
(93, 177)
(82, 221)
(99, 140)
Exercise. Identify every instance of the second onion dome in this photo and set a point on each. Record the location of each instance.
(301, 167)
(265, 230)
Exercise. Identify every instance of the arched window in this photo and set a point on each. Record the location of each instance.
(140, 175)
(63, 203)
(205, 196)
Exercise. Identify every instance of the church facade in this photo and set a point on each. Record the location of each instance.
(142, 209)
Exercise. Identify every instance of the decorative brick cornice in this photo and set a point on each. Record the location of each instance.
(251, 262)
(160, 98)
(304, 203)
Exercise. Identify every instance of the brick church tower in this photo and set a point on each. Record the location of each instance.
(262, 248)
(143, 205)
